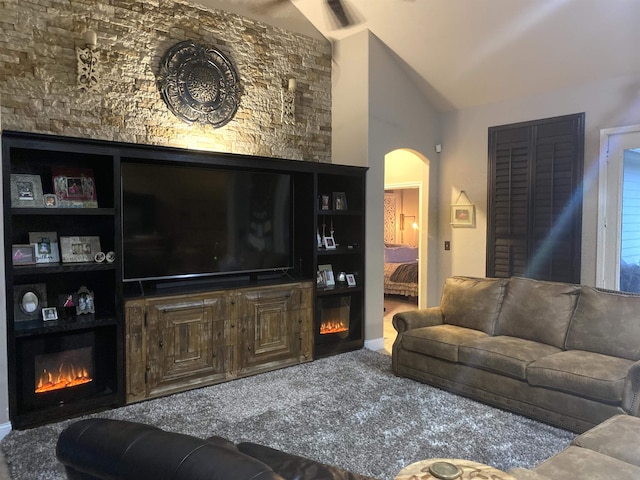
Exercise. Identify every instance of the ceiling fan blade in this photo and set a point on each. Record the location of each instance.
(340, 13)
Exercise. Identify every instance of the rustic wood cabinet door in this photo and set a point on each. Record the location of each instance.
(270, 323)
(185, 342)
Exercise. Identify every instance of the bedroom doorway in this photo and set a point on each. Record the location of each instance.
(406, 235)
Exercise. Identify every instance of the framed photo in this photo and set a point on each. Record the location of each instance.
(339, 201)
(28, 301)
(50, 200)
(325, 202)
(329, 243)
(463, 215)
(26, 191)
(23, 254)
(320, 279)
(326, 271)
(79, 249)
(75, 187)
(329, 278)
(49, 313)
(46, 246)
(351, 279)
(85, 301)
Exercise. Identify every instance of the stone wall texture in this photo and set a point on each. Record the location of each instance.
(38, 90)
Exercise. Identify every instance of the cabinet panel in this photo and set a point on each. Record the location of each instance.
(185, 342)
(136, 345)
(269, 325)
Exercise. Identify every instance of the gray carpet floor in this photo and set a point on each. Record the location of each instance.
(348, 410)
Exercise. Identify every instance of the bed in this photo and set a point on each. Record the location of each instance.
(400, 270)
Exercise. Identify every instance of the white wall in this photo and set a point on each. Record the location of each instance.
(609, 103)
(377, 109)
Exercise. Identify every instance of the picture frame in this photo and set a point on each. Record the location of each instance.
(463, 215)
(75, 187)
(79, 249)
(50, 200)
(26, 191)
(329, 242)
(325, 202)
(45, 244)
(339, 201)
(351, 280)
(49, 313)
(86, 301)
(329, 278)
(326, 271)
(23, 254)
(28, 301)
(320, 279)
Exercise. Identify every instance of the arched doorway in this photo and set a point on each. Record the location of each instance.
(406, 183)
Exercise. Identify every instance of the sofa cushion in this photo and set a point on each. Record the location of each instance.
(439, 341)
(606, 322)
(506, 355)
(591, 375)
(617, 437)
(537, 310)
(582, 463)
(473, 302)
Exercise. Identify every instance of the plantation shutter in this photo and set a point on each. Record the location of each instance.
(534, 226)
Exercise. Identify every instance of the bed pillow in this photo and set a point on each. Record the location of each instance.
(400, 254)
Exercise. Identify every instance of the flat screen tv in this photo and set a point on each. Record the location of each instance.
(182, 221)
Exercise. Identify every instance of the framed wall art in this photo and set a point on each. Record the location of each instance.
(75, 187)
(463, 215)
(79, 249)
(26, 191)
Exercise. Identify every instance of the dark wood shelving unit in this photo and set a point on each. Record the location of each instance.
(35, 154)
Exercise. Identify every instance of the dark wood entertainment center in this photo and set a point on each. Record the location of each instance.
(152, 338)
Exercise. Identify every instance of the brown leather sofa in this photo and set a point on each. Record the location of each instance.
(565, 354)
(119, 450)
(608, 451)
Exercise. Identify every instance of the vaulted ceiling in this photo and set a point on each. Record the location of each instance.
(465, 53)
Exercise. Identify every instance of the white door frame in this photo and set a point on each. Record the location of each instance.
(610, 204)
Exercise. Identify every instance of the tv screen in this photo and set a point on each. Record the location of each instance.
(187, 221)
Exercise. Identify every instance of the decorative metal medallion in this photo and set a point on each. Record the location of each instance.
(199, 84)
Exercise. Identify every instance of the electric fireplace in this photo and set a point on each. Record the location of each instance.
(64, 370)
(338, 324)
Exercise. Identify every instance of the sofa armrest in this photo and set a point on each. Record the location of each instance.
(631, 392)
(294, 467)
(524, 474)
(427, 317)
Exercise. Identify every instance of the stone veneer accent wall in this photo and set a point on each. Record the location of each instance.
(38, 91)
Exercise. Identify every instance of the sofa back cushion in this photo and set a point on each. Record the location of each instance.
(472, 302)
(606, 322)
(538, 310)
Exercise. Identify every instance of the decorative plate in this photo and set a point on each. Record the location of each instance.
(199, 84)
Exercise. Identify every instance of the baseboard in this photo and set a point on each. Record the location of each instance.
(375, 344)
(5, 428)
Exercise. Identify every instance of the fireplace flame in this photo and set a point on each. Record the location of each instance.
(333, 326)
(65, 377)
